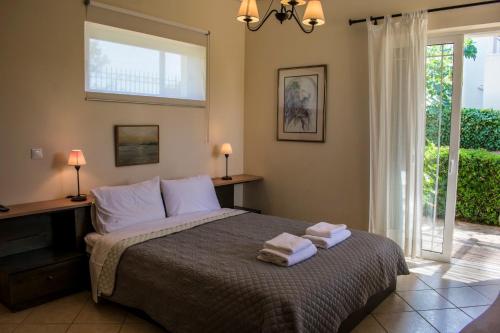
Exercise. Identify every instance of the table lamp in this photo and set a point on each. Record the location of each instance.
(77, 159)
(227, 150)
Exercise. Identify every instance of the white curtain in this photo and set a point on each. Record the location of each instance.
(397, 127)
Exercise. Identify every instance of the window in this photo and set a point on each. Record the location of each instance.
(125, 64)
(496, 45)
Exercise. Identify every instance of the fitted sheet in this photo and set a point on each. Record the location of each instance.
(90, 240)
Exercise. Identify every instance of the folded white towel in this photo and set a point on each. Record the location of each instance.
(281, 259)
(324, 229)
(287, 243)
(326, 243)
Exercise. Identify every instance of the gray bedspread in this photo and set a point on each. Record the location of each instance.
(207, 279)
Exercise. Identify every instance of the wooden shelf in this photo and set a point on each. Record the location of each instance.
(43, 207)
(237, 179)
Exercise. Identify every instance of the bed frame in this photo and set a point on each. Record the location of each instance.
(225, 194)
(347, 325)
(356, 317)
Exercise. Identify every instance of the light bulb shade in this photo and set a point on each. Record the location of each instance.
(226, 149)
(76, 157)
(248, 11)
(314, 13)
(293, 2)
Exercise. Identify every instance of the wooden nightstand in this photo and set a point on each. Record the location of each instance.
(225, 188)
(42, 251)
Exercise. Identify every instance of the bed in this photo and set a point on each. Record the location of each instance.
(201, 275)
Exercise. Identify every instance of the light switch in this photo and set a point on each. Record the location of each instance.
(36, 153)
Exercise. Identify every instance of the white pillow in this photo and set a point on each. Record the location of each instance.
(189, 195)
(117, 207)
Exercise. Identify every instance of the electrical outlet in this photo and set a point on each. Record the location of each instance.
(36, 153)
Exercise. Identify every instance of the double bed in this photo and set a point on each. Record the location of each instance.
(201, 274)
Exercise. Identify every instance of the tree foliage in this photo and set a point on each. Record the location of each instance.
(478, 187)
(470, 49)
(97, 59)
(479, 128)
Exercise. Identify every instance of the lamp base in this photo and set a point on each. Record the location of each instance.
(78, 198)
(227, 178)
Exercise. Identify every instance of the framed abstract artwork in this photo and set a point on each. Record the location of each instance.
(137, 144)
(302, 103)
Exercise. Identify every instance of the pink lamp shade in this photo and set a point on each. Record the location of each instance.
(76, 157)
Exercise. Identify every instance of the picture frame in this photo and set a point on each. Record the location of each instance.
(301, 112)
(137, 144)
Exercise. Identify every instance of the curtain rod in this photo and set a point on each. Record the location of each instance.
(432, 10)
(144, 16)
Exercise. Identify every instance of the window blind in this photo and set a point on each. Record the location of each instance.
(135, 58)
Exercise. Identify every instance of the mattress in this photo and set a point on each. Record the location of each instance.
(211, 270)
(90, 240)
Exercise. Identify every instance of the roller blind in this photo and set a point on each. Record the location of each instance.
(140, 59)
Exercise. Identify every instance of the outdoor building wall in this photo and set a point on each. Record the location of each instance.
(492, 82)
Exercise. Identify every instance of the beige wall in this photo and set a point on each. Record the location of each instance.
(42, 100)
(42, 105)
(317, 181)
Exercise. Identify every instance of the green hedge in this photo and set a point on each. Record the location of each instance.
(478, 190)
(480, 128)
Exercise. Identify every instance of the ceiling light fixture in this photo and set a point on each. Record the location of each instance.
(313, 15)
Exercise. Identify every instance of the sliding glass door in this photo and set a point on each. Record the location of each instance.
(443, 104)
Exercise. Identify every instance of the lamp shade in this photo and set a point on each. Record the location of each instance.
(293, 2)
(76, 157)
(248, 11)
(314, 13)
(226, 149)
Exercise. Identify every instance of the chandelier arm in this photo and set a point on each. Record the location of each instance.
(269, 7)
(301, 26)
(274, 11)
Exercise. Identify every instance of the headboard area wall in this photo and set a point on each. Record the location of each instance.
(43, 101)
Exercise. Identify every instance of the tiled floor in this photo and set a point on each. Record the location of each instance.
(74, 314)
(436, 297)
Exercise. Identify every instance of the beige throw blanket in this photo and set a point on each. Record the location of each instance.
(108, 250)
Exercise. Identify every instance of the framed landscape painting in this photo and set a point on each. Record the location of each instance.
(137, 144)
(302, 103)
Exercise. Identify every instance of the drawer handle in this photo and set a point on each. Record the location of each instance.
(50, 277)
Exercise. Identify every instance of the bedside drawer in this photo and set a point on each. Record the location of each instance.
(37, 285)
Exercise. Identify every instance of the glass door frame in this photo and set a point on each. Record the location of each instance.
(456, 101)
